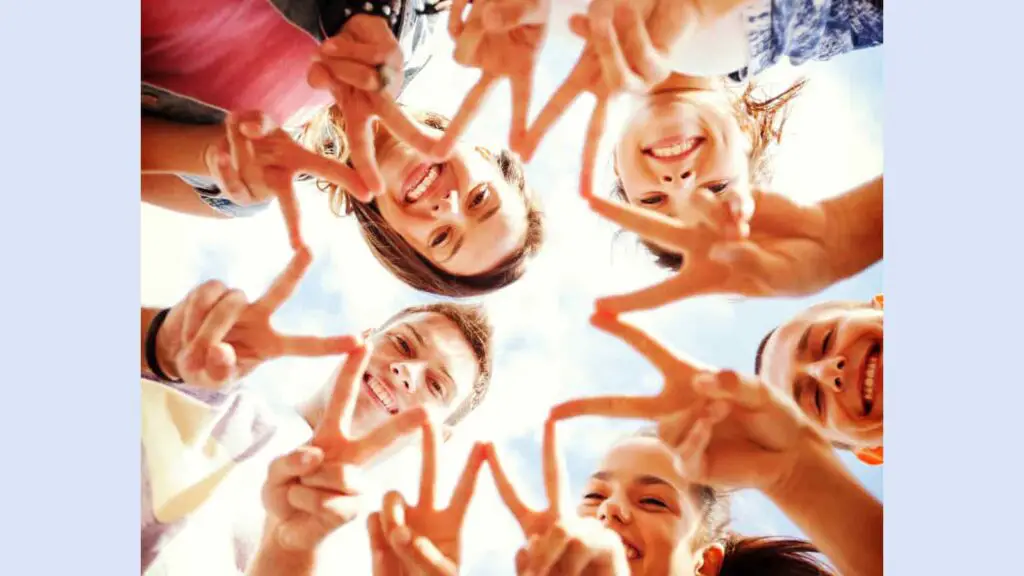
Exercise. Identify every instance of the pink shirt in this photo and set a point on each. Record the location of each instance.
(233, 54)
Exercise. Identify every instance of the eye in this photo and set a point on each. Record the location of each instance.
(718, 187)
(480, 196)
(654, 502)
(652, 199)
(403, 346)
(826, 341)
(594, 497)
(436, 388)
(439, 238)
(817, 399)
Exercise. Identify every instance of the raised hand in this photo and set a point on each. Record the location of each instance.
(502, 38)
(730, 429)
(368, 42)
(315, 489)
(785, 254)
(558, 543)
(215, 335)
(677, 370)
(257, 161)
(624, 48)
(753, 441)
(423, 539)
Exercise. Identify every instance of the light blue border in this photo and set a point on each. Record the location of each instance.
(70, 408)
(953, 291)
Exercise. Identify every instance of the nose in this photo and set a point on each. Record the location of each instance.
(829, 371)
(447, 203)
(408, 375)
(611, 511)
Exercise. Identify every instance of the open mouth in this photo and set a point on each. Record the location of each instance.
(870, 375)
(632, 552)
(376, 390)
(675, 148)
(419, 182)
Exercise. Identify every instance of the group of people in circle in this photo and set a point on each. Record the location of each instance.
(222, 79)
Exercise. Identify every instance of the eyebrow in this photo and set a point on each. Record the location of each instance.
(423, 342)
(801, 346)
(458, 243)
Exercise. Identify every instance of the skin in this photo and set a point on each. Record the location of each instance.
(469, 220)
(437, 372)
(639, 493)
(713, 162)
(821, 357)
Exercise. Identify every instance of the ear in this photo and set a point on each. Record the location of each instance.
(869, 456)
(710, 561)
(878, 301)
(485, 153)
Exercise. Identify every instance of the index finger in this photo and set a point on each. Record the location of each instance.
(359, 130)
(649, 347)
(591, 146)
(286, 282)
(470, 105)
(554, 468)
(337, 417)
(285, 193)
(402, 126)
(506, 490)
(645, 407)
(333, 171)
(428, 477)
(648, 224)
(556, 106)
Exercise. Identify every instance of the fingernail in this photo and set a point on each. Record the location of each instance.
(329, 48)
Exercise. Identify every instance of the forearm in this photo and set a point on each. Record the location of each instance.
(272, 560)
(855, 228)
(169, 147)
(172, 193)
(836, 512)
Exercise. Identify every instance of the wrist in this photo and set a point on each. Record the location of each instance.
(807, 466)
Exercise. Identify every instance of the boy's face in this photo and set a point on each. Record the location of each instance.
(830, 358)
(419, 359)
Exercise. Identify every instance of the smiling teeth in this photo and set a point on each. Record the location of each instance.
(423, 185)
(667, 151)
(869, 379)
(381, 393)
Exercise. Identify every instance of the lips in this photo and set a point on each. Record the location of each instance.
(632, 552)
(420, 180)
(673, 149)
(379, 393)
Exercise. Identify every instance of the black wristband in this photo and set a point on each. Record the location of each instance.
(154, 329)
(386, 9)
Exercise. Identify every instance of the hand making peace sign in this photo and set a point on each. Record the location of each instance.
(215, 335)
(558, 543)
(786, 253)
(366, 41)
(625, 40)
(729, 430)
(422, 539)
(503, 39)
(257, 160)
(315, 489)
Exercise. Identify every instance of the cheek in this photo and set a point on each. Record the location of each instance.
(410, 227)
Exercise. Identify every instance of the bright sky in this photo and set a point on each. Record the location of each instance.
(545, 350)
